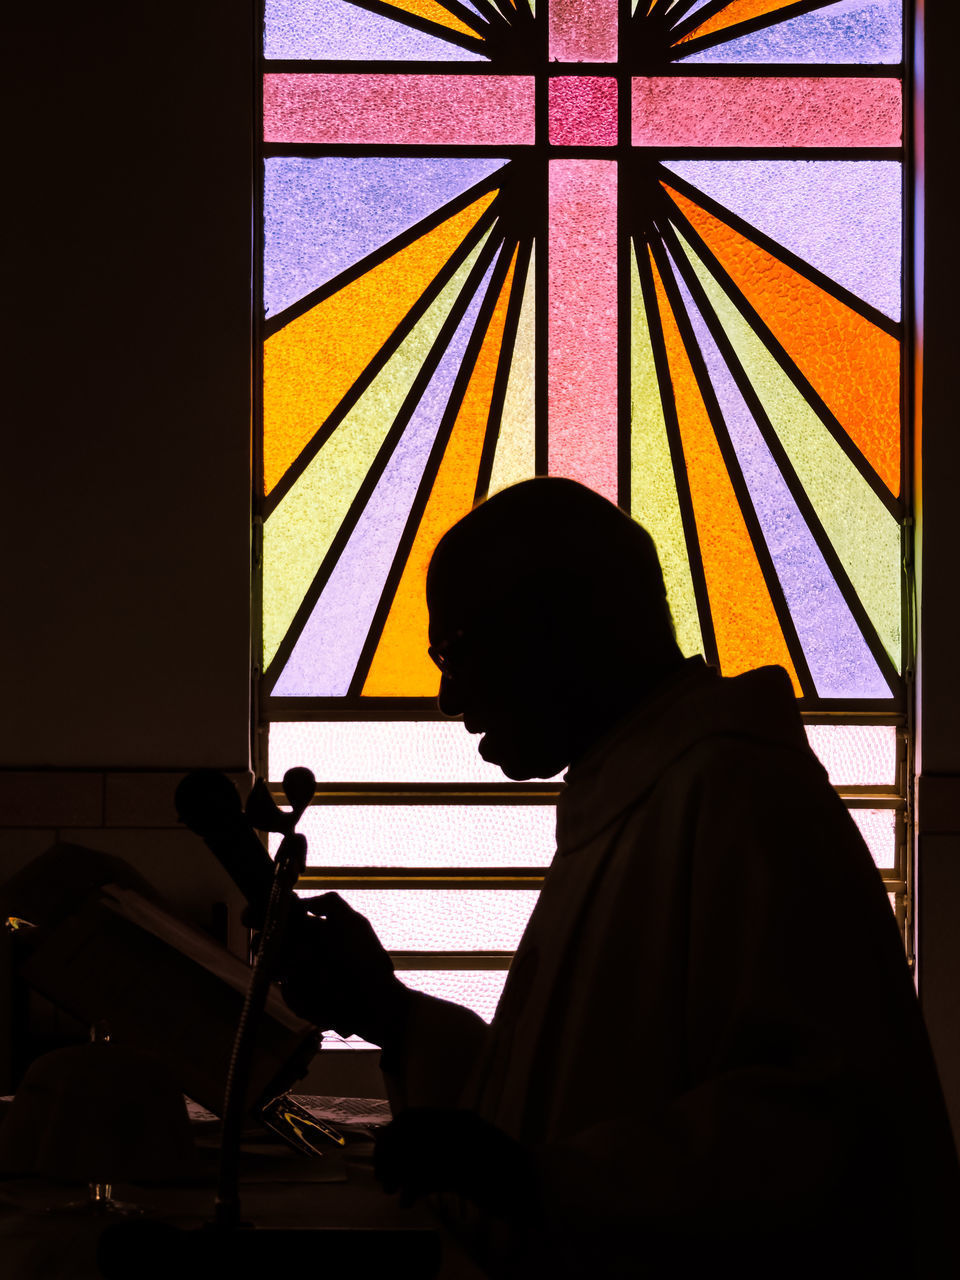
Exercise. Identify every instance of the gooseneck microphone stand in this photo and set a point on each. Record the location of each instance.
(288, 867)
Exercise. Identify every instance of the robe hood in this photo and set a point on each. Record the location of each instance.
(692, 706)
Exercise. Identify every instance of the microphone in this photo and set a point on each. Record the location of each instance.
(207, 802)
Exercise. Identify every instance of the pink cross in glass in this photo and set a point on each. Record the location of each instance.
(679, 110)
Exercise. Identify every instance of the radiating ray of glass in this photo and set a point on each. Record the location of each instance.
(401, 666)
(316, 29)
(298, 534)
(745, 623)
(839, 659)
(325, 656)
(864, 534)
(734, 12)
(324, 213)
(580, 32)
(582, 323)
(433, 11)
(844, 217)
(764, 111)
(312, 362)
(850, 31)
(515, 455)
(390, 109)
(380, 751)
(653, 487)
(852, 364)
(492, 836)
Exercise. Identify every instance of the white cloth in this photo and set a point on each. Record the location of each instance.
(709, 1030)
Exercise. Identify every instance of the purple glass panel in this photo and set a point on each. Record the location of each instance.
(445, 919)
(478, 989)
(325, 656)
(840, 662)
(323, 214)
(844, 217)
(313, 29)
(851, 31)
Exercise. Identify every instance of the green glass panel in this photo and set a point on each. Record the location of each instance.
(864, 534)
(515, 455)
(653, 489)
(299, 532)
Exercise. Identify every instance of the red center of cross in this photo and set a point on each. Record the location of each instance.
(583, 111)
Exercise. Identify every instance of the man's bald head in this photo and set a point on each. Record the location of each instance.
(554, 537)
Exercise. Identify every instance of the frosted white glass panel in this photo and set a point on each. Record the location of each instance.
(879, 828)
(856, 755)
(478, 989)
(380, 751)
(428, 835)
(445, 919)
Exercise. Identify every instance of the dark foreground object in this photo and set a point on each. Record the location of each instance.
(156, 1250)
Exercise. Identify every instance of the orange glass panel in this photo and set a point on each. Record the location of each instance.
(310, 364)
(745, 623)
(737, 12)
(401, 666)
(434, 12)
(850, 363)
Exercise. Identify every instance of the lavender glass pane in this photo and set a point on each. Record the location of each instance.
(445, 919)
(879, 829)
(323, 214)
(428, 835)
(325, 656)
(478, 989)
(840, 662)
(844, 217)
(852, 31)
(379, 751)
(311, 29)
(856, 755)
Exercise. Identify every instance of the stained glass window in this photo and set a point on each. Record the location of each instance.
(655, 246)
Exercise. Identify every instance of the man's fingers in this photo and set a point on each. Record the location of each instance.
(328, 904)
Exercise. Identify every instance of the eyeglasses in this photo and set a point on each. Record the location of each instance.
(444, 655)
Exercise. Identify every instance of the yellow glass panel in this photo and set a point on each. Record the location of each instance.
(434, 12)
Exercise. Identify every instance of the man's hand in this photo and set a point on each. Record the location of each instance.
(337, 974)
(428, 1149)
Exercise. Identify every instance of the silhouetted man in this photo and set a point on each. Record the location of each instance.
(708, 1051)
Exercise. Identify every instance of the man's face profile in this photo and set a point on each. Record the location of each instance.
(498, 658)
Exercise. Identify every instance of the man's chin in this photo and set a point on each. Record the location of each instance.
(517, 766)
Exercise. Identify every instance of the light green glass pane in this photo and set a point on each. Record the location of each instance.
(299, 532)
(514, 459)
(864, 534)
(653, 489)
